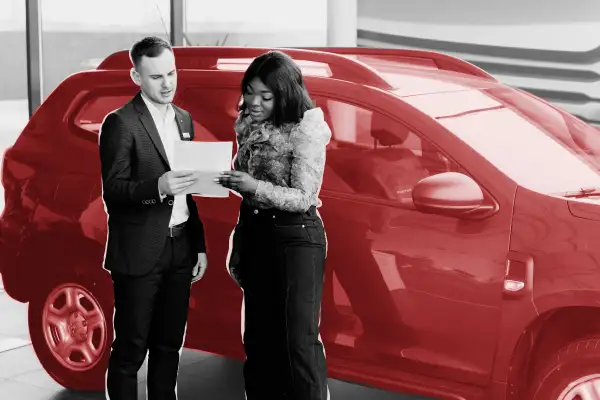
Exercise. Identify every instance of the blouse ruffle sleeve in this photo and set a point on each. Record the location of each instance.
(240, 125)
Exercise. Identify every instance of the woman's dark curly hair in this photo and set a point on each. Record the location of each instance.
(283, 77)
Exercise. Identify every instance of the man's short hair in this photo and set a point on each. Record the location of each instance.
(150, 46)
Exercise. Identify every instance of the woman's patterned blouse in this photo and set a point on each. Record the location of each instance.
(288, 162)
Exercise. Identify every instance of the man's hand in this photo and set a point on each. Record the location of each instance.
(200, 267)
(174, 182)
(239, 181)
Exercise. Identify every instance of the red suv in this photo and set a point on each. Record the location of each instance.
(463, 221)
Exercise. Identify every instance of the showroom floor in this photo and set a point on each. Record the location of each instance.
(202, 376)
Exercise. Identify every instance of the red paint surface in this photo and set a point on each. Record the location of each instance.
(415, 290)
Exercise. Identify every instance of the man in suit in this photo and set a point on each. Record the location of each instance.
(155, 247)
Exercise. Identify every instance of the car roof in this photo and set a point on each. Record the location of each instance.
(436, 83)
(403, 72)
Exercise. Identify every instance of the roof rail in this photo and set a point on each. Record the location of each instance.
(442, 61)
(207, 57)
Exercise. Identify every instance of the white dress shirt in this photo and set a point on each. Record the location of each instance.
(169, 133)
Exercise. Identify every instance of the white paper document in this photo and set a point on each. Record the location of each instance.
(208, 160)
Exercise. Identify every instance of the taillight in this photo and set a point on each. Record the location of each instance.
(13, 171)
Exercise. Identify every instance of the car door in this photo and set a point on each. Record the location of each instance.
(407, 292)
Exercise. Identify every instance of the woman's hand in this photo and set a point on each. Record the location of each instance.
(241, 182)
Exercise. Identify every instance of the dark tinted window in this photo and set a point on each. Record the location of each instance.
(214, 112)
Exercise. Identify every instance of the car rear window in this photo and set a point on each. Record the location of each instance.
(91, 115)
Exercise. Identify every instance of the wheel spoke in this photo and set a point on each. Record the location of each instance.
(94, 320)
(88, 351)
(58, 312)
(64, 349)
(54, 317)
(586, 391)
(592, 390)
(596, 385)
(72, 301)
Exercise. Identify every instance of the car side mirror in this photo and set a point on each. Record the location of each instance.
(450, 194)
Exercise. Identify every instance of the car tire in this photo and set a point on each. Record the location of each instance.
(571, 370)
(62, 333)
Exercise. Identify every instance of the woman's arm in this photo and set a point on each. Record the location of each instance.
(309, 140)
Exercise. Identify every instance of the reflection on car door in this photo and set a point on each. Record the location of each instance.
(408, 291)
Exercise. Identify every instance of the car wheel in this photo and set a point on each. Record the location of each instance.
(71, 335)
(572, 374)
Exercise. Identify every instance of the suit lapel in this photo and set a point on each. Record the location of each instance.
(148, 123)
(182, 125)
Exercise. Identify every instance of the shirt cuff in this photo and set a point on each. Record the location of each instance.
(161, 196)
(261, 190)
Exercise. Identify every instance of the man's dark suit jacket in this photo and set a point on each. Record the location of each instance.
(133, 158)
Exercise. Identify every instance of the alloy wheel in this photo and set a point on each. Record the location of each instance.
(74, 327)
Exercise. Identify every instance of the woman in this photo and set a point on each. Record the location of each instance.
(279, 244)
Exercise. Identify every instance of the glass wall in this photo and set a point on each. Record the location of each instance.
(77, 35)
(13, 71)
(552, 54)
(14, 111)
(260, 23)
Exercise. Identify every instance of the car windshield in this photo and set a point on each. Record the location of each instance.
(537, 146)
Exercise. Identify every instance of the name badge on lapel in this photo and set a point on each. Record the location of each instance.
(186, 135)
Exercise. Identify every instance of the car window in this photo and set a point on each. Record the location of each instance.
(213, 111)
(373, 155)
(91, 115)
(539, 147)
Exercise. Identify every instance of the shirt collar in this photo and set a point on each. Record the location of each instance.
(156, 114)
